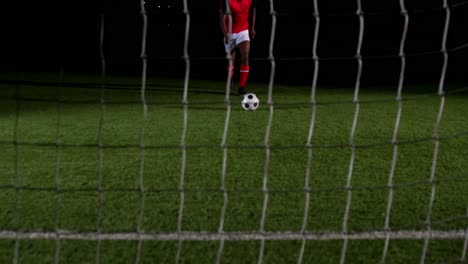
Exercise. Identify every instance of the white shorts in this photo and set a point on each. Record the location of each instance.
(236, 38)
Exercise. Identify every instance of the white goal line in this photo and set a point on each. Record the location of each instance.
(207, 236)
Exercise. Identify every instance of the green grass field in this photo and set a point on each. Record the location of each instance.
(60, 192)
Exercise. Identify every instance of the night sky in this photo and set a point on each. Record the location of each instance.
(48, 36)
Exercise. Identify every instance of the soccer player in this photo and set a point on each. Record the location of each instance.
(243, 14)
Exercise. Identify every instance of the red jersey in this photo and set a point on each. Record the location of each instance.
(240, 10)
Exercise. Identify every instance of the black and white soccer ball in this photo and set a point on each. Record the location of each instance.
(250, 102)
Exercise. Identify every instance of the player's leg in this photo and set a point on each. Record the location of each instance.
(230, 68)
(244, 68)
(230, 47)
(243, 43)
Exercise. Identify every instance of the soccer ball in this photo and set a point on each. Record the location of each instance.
(250, 102)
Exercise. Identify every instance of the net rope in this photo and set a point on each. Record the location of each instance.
(184, 130)
(436, 131)
(404, 13)
(309, 145)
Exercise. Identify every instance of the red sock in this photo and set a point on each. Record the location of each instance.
(244, 74)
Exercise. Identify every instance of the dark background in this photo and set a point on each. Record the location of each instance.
(49, 36)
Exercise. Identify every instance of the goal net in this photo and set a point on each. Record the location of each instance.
(111, 168)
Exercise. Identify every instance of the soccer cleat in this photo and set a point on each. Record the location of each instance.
(241, 91)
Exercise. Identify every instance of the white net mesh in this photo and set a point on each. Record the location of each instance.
(262, 234)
